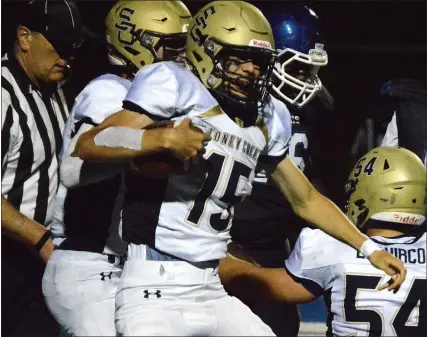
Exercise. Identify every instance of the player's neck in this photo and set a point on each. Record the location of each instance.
(388, 233)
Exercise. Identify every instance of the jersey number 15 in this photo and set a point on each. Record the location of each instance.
(210, 187)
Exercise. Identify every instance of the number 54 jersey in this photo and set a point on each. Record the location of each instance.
(348, 281)
(189, 215)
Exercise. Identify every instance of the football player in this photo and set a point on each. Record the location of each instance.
(178, 227)
(407, 98)
(82, 275)
(265, 220)
(386, 200)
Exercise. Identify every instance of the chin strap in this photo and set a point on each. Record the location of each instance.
(67, 74)
(244, 115)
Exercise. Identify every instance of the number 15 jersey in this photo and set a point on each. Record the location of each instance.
(189, 215)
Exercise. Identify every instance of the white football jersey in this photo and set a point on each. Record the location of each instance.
(189, 215)
(348, 281)
(88, 216)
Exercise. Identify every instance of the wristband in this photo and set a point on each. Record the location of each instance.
(46, 236)
(368, 247)
(120, 136)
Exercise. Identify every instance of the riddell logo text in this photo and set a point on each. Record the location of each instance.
(407, 219)
(260, 43)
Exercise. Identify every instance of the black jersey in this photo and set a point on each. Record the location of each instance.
(265, 219)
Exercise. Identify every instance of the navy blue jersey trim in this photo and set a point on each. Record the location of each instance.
(128, 105)
(312, 286)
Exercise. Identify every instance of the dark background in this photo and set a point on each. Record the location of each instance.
(368, 42)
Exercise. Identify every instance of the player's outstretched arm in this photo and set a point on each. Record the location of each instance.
(314, 208)
(120, 138)
(252, 283)
(77, 172)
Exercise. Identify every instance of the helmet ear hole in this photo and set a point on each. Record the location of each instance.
(197, 56)
(386, 165)
(132, 50)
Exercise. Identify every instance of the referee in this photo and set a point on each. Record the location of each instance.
(34, 111)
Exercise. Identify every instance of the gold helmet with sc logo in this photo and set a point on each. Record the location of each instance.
(224, 29)
(136, 31)
(387, 184)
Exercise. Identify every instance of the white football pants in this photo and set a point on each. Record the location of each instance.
(80, 289)
(175, 298)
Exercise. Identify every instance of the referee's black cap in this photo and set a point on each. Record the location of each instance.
(59, 21)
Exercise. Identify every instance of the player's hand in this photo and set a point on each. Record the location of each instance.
(392, 266)
(46, 251)
(185, 141)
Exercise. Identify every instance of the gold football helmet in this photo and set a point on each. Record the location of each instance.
(136, 30)
(223, 29)
(387, 184)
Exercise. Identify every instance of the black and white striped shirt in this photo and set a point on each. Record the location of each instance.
(32, 127)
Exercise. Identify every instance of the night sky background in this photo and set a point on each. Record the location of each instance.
(368, 43)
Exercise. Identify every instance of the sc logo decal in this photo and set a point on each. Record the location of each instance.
(127, 32)
(200, 23)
